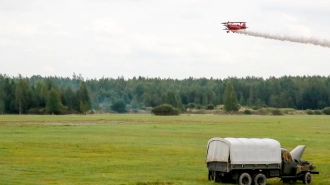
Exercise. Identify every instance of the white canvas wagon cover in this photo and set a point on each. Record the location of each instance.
(243, 150)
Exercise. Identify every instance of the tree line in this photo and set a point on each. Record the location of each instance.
(39, 95)
(60, 95)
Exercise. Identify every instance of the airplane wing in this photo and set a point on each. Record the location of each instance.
(231, 22)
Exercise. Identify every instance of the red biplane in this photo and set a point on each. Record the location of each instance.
(234, 26)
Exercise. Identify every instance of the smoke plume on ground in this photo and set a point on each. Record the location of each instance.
(304, 40)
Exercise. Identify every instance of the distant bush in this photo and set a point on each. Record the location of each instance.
(326, 111)
(264, 111)
(290, 111)
(247, 111)
(219, 107)
(309, 112)
(37, 111)
(143, 108)
(118, 106)
(210, 107)
(199, 111)
(190, 105)
(199, 106)
(149, 108)
(317, 112)
(255, 107)
(277, 112)
(135, 110)
(165, 110)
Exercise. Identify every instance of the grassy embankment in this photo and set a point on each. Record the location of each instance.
(141, 149)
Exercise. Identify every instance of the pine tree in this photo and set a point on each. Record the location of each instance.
(40, 93)
(54, 104)
(171, 99)
(22, 95)
(147, 100)
(2, 106)
(134, 102)
(69, 98)
(83, 98)
(231, 103)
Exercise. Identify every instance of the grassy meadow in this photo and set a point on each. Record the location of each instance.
(138, 149)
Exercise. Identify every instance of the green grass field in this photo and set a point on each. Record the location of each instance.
(142, 149)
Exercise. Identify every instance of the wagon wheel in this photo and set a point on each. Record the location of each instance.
(244, 179)
(260, 179)
(307, 178)
(216, 177)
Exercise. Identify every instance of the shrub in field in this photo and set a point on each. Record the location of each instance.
(118, 106)
(290, 111)
(309, 112)
(149, 108)
(199, 111)
(190, 105)
(326, 111)
(199, 106)
(210, 107)
(37, 111)
(165, 110)
(263, 111)
(247, 111)
(317, 112)
(143, 108)
(277, 112)
(255, 107)
(219, 107)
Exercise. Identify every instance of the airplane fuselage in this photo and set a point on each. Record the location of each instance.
(234, 26)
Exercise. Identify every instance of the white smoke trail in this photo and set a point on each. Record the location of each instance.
(305, 40)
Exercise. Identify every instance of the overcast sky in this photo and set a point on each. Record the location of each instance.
(161, 38)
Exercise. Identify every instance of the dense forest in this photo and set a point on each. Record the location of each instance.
(62, 95)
